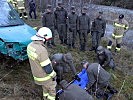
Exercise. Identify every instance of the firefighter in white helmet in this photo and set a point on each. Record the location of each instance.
(40, 63)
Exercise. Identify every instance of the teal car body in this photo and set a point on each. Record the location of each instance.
(14, 33)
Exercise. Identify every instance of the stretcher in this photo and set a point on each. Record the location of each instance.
(82, 83)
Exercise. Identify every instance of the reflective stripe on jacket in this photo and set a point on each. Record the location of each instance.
(38, 57)
(120, 28)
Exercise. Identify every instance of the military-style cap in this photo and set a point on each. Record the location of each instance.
(72, 7)
(84, 62)
(84, 8)
(60, 3)
(100, 12)
(64, 84)
(49, 6)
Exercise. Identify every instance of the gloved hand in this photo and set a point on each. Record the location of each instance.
(76, 77)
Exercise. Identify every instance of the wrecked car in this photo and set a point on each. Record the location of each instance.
(15, 34)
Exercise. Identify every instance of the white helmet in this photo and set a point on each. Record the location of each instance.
(43, 34)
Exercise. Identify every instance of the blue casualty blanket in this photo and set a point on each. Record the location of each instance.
(84, 79)
(82, 83)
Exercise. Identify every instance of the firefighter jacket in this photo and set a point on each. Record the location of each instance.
(72, 21)
(105, 57)
(64, 62)
(20, 4)
(97, 74)
(60, 16)
(13, 2)
(120, 28)
(48, 19)
(83, 22)
(74, 92)
(98, 25)
(40, 63)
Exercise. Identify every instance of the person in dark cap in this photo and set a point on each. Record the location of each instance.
(83, 27)
(72, 27)
(73, 92)
(121, 27)
(48, 20)
(61, 63)
(61, 22)
(97, 30)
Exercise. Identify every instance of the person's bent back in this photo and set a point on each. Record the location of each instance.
(73, 92)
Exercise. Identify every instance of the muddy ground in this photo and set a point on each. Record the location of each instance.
(17, 83)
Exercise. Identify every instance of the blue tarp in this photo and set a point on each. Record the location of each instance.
(84, 79)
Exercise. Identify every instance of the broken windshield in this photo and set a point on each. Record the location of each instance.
(8, 15)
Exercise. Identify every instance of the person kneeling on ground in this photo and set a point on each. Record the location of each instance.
(98, 80)
(105, 57)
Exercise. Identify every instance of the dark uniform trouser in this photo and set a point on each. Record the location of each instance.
(53, 35)
(61, 28)
(72, 37)
(96, 38)
(83, 36)
(30, 13)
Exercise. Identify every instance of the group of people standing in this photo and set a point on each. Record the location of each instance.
(70, 25)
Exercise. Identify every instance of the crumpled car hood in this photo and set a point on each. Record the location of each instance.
(21, 34)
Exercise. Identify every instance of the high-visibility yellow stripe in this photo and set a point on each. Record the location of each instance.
(45, 63)
(35, 28)
(45, 78)
(53, 74)
(45, 94)
(109, 47)
(51, 97)
(118, 49)
(117, 36)
(31, 53)
(119, 25)
(20, 0)
(20, 8)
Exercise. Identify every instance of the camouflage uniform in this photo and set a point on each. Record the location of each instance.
(83, 29)
(41, 68)
(119, 31)
(97, 31)
(72, 27)
(48, 20)
(60, 23)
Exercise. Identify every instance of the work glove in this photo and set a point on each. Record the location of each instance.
(76, 77)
